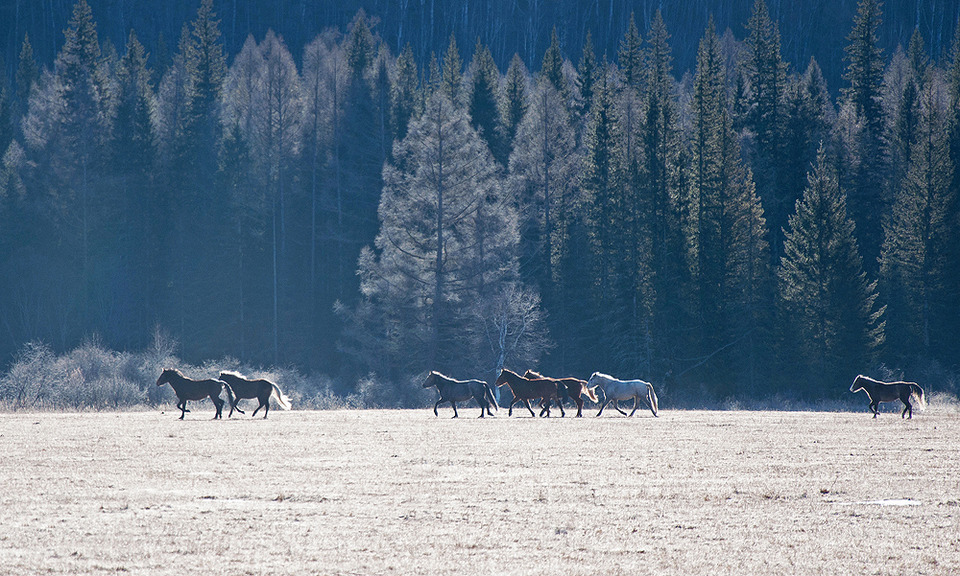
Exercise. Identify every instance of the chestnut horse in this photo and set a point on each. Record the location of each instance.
(241, 387)
(878, 392)
(526, 389)
(454, 391)
(574, 388)
(188, 389)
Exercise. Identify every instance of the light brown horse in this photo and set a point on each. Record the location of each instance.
(573, 388)
(526, 389)
(189, 389)
(878, 392)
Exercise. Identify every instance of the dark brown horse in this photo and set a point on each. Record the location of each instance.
(878, 392)
(526, 389)
(454, 391)
(572, 388)
(241, 387)
(188, 389)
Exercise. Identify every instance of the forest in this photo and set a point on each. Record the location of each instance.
(366, 193)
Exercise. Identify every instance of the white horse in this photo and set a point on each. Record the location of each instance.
(615, 390)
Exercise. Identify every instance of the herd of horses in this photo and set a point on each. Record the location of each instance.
(535, 386)
(236, 385)
(531, 386)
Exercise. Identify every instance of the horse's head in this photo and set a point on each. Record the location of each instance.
(503, 378)
(431, 380)
(858, 383)
(593, 381)
(167, 375)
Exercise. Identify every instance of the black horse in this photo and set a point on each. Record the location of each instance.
(241, 387)
(879, 392)
(189, 389)
(454, 391)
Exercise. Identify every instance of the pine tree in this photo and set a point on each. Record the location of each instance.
(452, 78)
(864, 75)
(587, 72)
(766, 73)
(482, 99)
(441, 200)
(730, 234)
(834, 326)
(918, 241)
(404, 94)
(659, 193)
(552, 67)
(630, 56)
(543, 181)
(513, 104)
(27, 73)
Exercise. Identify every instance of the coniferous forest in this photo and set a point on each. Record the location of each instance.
(732, 200)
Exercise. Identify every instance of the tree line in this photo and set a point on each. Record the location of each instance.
(734, 232)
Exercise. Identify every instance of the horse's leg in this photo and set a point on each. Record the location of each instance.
(435, 413)
(218, 402)
(183, 408)
(636, 402)
(579, 402)
(602, 406)
(454, 404)
(266, 408)
(875, 406)
(616, 404)
(560, 404)
(906, 406)
(526, 403)
(510, 411)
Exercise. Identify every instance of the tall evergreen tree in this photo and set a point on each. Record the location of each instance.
(918, 240)
(552, 67)
(659, 194)
(27, 73)
(482, 99)
(587, 72)
(630, 56)
(834, 326)
(864, 75)
(766, 73)
(442, 199)
(730, 234)
(513, 104)
(404, 100)
(452, 78)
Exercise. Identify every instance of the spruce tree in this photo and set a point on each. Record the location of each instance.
(452, 74)
(482, 99)
(552, 67)
(404, 94)
(659, 193)
(918, 242)
(864, 76)
(442, 199)
(833, 324)
(587, 72)
(513, 104)
(630, 56)
(27, 73)
(766, 73)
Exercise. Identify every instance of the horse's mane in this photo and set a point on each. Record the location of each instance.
(233, 373)
(601, 375)
(175, 371)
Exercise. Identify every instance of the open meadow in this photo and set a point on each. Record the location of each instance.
(403, 492)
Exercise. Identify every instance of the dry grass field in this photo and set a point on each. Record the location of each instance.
(402, 492)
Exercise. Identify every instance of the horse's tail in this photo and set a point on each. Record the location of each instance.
(488, 394)
(231, 396)
(590, 392)
(917, 392)
(282, 399)
(652, 397)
